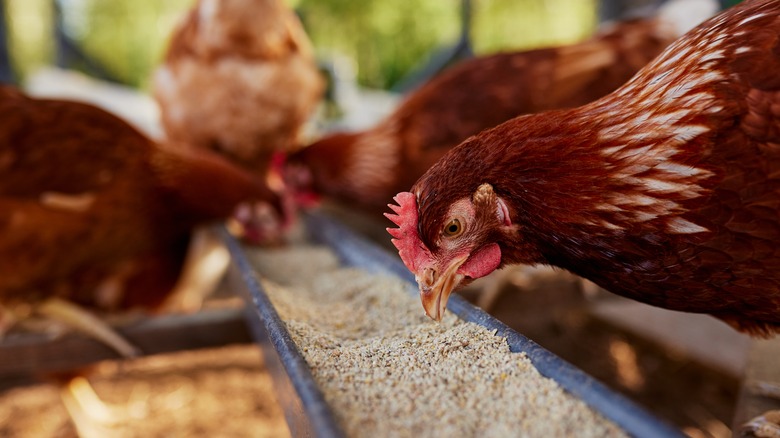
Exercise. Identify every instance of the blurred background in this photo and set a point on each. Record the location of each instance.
(385, 40)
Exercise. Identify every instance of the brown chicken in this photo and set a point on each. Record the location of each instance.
(94, 213)
(96, 218)
(367, 168)
(666, 191)
(239, 78)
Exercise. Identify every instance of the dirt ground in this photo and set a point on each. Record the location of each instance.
(223, 392)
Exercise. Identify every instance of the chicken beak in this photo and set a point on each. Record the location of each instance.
(435, 288)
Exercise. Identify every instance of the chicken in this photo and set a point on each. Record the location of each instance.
(666, 190)
(239, 78)
(93, 211)
(367, 168)
(95, 217)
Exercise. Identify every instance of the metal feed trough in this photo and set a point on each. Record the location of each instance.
(307, 412)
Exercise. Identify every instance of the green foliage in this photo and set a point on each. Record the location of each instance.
(129, 36)
(386, 39)
(512, 24)
(29, 33)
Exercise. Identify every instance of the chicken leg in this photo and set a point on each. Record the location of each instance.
(766, 425)
(204, 267)
(763, 426)
(80, 319)
(762, 387)
(7, 320)
(90, 415)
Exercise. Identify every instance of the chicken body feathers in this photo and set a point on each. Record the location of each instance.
(239, 78)
(93, 211)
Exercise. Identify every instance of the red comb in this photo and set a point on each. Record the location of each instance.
(410, 247)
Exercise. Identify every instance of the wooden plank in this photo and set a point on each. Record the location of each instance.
(762, 369)
(31, 353)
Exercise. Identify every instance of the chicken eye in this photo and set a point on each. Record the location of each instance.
(453, 228)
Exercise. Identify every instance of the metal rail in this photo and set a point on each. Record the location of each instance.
(31, 353)
(305, 409)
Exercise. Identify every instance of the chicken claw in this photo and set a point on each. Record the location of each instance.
(763, 426)
(7, 320)
(766, 425)
(205, 266)
(90, 415)
(84, 321)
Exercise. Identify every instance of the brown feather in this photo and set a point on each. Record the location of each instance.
(240, 78)
(87, 202)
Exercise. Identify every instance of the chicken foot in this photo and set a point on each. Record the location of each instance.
(205, 266)
(766, 425)
(89, 324)
(90, 415)
(7, 320)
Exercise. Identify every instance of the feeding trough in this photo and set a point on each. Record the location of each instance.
(308, 413)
